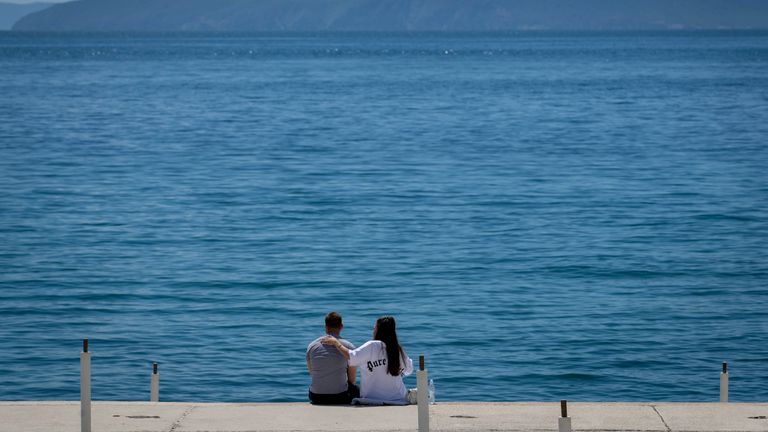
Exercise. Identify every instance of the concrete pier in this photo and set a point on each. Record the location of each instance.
(257, 417)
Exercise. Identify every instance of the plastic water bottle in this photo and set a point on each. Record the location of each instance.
(431, 391)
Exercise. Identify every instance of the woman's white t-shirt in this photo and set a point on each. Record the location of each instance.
(375, 382)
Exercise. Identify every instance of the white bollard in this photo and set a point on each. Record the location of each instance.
(85, 388)
(564, 422)
(724, 383)
(154, 385)
(422, 396)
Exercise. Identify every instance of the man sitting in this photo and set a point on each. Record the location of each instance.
(333, 380)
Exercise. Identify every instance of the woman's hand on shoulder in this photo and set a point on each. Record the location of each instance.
(330, 340)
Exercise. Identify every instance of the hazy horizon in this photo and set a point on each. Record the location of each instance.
(396, 15)
(34, 1)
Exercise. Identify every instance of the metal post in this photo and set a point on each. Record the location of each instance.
(154, 385)
(422, 396)
(724, 383)
(85, 388)
(564, 422)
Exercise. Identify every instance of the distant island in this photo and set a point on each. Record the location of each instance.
(12, 12)
(396, 15)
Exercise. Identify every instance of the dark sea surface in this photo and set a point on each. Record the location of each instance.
(549, 216)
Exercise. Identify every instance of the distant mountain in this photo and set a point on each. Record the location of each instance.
(10, 12)
(397, 15)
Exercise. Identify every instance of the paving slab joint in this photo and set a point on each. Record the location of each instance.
(662, 418)
(177, 423)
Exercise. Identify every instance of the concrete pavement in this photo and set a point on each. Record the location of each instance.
(255, 417)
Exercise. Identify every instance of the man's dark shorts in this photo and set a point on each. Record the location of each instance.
(344, 398)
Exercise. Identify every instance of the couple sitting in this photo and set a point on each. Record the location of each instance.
(333, 364)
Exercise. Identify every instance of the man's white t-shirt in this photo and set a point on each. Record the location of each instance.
(375, 382)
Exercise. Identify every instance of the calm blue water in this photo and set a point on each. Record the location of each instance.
(548, 215)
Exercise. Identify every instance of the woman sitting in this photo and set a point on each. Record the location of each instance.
(382, 363)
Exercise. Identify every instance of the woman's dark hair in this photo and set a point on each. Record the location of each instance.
(387, 333)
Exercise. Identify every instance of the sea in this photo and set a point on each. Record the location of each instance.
(548, 216)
